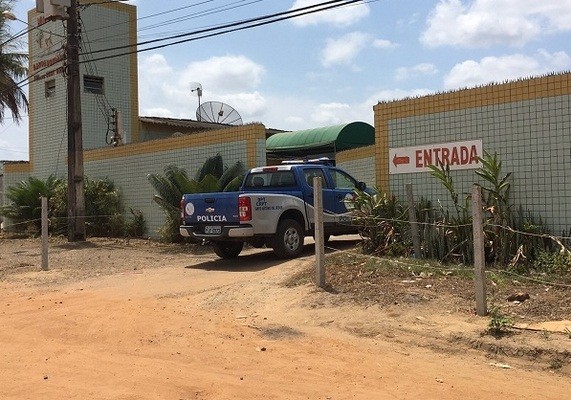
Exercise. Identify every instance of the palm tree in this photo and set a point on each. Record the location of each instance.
(25, 207)
(13, 68)
(211, 177)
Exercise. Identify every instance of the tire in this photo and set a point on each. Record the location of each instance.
(289, 239)
(228, 250)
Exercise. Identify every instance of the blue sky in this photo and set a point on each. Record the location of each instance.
(332, 67)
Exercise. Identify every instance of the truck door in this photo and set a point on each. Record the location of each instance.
(328, 195)
(342, 186)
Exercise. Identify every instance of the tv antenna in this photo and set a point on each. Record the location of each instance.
(196, 87)
(216, 111)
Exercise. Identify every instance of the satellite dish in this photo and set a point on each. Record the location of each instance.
(221, 113)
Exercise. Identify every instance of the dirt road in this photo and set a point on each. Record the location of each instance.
(180, 326)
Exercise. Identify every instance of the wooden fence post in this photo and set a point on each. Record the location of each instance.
(45, 265)
(479, 256)
(415, 233)
(318, 232)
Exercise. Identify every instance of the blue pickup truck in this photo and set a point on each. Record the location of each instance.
(273, 208)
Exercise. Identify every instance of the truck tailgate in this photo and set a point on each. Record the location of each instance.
(220, 208)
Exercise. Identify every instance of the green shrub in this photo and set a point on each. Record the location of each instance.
(553, 262)
(449, 237)
(24, 208)
(136, 226)
(499, 324)
(104, 214)
(103, 208)
(382, 223)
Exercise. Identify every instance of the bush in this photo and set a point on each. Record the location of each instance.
(553, 262)
(103, 208)
(25, 205)
(382, 223)
(499, 324)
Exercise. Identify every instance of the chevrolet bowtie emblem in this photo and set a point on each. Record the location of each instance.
(210, 210)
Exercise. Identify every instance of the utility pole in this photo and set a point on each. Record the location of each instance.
(75, 181)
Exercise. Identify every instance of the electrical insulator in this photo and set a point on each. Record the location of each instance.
(113, 121)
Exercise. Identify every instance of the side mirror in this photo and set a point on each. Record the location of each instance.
(361, 186)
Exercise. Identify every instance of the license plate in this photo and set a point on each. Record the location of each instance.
(212, 230)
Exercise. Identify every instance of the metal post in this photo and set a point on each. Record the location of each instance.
(75, 190)
(318, 231)
(413, 223)
(479, 260)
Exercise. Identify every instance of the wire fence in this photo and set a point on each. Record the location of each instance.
(8, 226)
(442, 269)
(21, 226)
(559, 239)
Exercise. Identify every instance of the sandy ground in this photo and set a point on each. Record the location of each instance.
(137, 320)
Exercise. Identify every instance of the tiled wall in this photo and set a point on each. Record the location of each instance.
(526, 123)
(359, 163)
(48, 114)
(120, 73)
(128, 166)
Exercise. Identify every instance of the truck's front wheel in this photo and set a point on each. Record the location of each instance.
(228, 250)
(289, 239)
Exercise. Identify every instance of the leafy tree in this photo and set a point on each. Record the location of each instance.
(13, 69)
(103, 210)
(213, 176)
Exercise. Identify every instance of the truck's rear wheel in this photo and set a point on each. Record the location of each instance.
(289, 239)
(326, 238)
(228, 250)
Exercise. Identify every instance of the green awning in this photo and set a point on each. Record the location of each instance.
(326, 139)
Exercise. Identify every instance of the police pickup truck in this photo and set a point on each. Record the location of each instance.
(274, 207)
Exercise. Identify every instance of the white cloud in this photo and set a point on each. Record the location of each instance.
(422, 69)
(156, 64)
(497, 69)
(231, 79)
(14, 139)
(294, 113)
(227, 73)
(482, 23)
(341, 16)
(166, 92)
(345, 49)
(247, 104)
(158, 112)
(330, 113)
(384, 44)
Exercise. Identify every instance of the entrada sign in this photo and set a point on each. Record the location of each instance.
(457, 155)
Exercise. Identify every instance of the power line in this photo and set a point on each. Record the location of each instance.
(211, 32)
(215, 10)
(208, 12)
(275, 17)
(232, 27)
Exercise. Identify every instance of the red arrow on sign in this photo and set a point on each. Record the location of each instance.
(400, 160)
